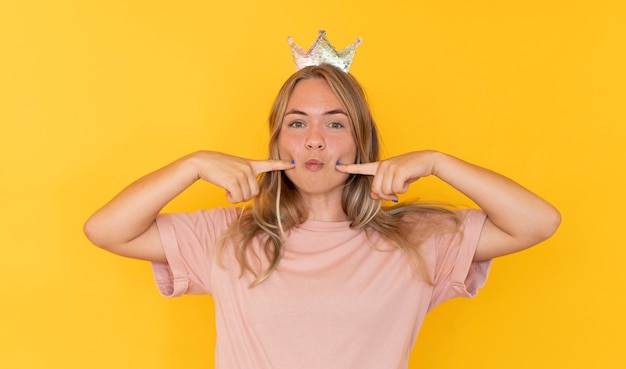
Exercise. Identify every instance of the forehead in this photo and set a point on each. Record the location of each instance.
(312, 93)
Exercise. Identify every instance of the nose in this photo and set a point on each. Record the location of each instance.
(315, 140)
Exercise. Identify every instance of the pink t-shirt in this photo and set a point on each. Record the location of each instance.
(334, 301)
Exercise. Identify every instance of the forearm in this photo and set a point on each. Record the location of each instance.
(516, 211)
(130, 213)
(517, 218)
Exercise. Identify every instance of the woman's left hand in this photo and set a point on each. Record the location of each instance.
(394, 175)
(516, 217)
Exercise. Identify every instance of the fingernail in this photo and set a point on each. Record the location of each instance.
(395, 200)
(337, 162)
(293, 161)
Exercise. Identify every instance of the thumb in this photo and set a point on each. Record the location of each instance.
(262, 166)
(368, 169)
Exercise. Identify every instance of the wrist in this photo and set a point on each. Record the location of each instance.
(195, 163)
(437, 161)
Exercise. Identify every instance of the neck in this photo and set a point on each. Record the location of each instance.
(324, 209)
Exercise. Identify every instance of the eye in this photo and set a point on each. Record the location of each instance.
(336, 125)
(296, 124)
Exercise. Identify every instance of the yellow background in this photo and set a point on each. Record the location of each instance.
(94, 94)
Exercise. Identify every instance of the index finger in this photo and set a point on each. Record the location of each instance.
(368, 169)
(262, 166)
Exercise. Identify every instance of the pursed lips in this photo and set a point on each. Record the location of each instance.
(313, 165)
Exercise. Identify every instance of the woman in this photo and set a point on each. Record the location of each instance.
(316, 273)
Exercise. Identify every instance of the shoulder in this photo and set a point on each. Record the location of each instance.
(441, 228)
(216, 218)
(222, 215)
(472, 220)
(434, 216)
(465, 234)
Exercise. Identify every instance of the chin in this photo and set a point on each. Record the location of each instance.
(318, 186)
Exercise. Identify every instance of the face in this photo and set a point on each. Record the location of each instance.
(315, 133)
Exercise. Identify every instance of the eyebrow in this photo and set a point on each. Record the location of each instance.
(330, 112)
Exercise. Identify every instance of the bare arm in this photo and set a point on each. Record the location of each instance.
(517, 218)
(126, 225)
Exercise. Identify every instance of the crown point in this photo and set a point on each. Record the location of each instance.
(323, 52)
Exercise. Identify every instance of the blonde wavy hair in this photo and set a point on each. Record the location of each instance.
(278, 207)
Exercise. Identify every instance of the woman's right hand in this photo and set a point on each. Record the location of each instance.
(126, 225)
(237, 176)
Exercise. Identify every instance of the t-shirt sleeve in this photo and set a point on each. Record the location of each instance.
(456, 274)
(189, 243)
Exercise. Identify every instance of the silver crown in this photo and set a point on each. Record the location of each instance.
(322, 52)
